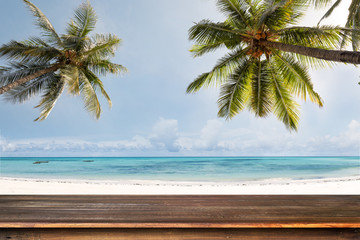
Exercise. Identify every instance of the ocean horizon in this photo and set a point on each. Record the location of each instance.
(205, 169)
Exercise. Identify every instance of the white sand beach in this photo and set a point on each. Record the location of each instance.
(348, 185)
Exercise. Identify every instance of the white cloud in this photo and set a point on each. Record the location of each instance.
(5, 145)
(165, 134)
(347, 142)
(215, 138)
(206, 140)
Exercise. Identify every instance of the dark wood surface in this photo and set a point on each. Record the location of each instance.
(179, 211)
(180, 233)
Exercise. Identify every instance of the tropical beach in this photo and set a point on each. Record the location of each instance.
(180, 175)
(271, 151)
(348, 185)
(266, 66)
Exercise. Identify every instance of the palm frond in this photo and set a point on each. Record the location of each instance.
(72, 42)
(16, 70)
(220, 72)
(253, 8)
(277, 14)
(231, 44)
(97, 83)
(353, 13)
(199, 50)
(354, 23)
(101, 46)
(83, 22)
(70, 76)
(296, 77)
(51, 94)
(285, 108)
(103, 67)
(235, 93)
(88, 93)
(271, 10)
(260, 100)
(320, 3)
(44, 24)
(31, 88)
(330, 10)
(206, 32)
(323, 37)
(29, 51)
(237, 11)
(3, 70)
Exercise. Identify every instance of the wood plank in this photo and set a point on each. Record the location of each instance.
(177, 234)
(179, 211)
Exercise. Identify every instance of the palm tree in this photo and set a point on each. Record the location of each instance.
(55, 62)
(266, 66)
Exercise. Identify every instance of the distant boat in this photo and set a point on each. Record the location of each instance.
(38, 162)
(88, 160)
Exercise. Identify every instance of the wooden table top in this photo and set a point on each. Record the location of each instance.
(179, 211)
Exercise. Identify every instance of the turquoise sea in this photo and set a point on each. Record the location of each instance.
(179, 168)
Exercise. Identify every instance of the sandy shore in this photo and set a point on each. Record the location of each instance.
(348, 185)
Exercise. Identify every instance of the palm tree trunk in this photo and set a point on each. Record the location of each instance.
(329, 55)
(29, 77)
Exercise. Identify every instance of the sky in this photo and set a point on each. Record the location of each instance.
(151, 114)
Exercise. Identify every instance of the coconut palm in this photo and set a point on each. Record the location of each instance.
(54, 62)
(266, 67)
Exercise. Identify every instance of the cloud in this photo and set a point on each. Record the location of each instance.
(214, 138)
(5, 145)
(217, 139)
(60, 147)
(347, 142)
(165, 134)
(206, 140)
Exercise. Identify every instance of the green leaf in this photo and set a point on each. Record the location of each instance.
(83, 22)
(32, 88)
(260, 101)
(101, 46)
(103, 67)
(285, 108)
(296, 77)
(224, 67)
(19, 70)
(207, 33)
(70, 75)
(320, 3)
(34, 50)
(237, 12)
(330, 10)
(234, 94)
(88, 93)
(97, 83)
(278, 14)
(51, 94)
(44, 24)
(323, 37)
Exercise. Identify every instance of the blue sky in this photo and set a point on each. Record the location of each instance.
(151, 114)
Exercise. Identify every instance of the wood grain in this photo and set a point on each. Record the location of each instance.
(177, 234)
(179, 211)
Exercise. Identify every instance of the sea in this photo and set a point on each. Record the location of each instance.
(223, 169)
